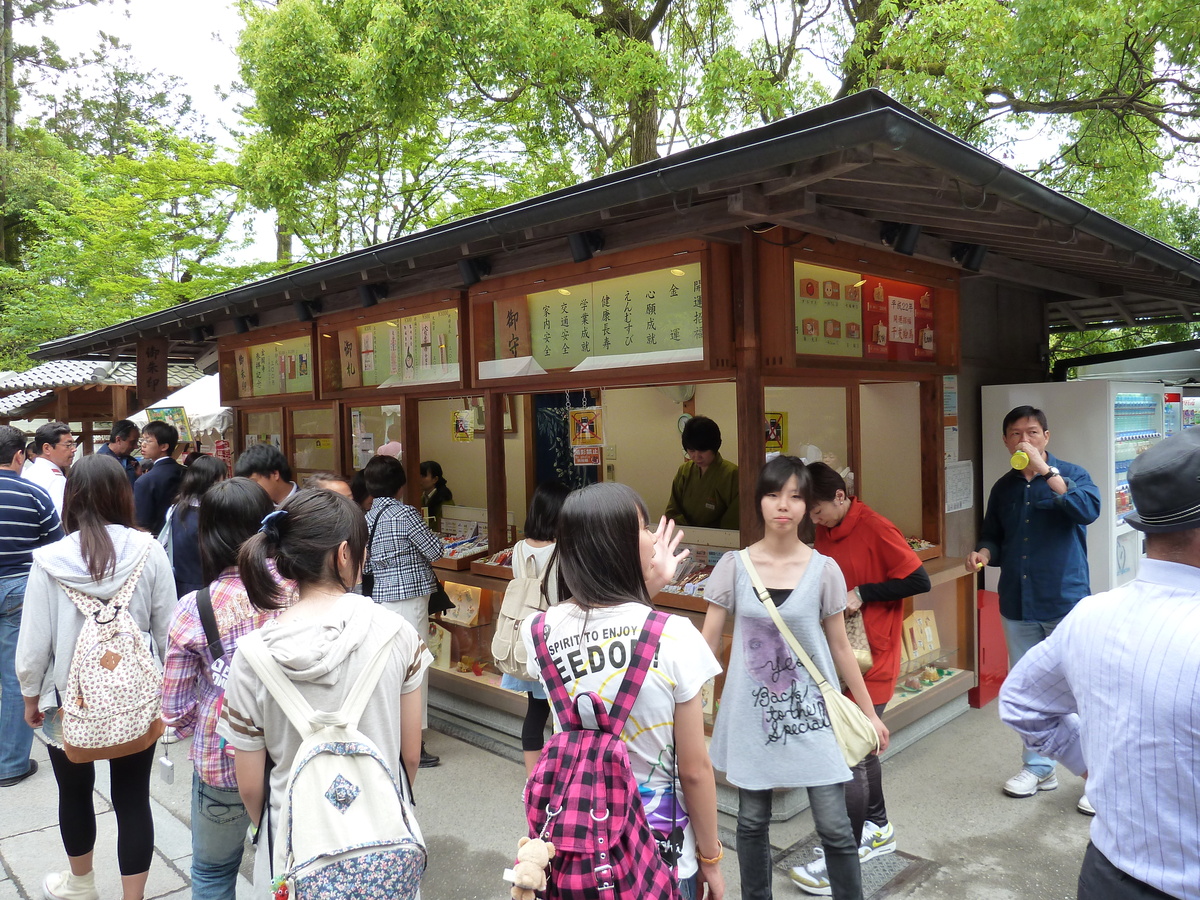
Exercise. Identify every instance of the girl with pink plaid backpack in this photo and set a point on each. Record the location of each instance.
(610, 661)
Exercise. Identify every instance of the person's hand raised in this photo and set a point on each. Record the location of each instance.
(667, 556)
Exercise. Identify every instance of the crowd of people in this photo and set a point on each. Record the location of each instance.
(333, 582)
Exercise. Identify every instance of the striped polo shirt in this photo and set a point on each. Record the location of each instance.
(27, 520)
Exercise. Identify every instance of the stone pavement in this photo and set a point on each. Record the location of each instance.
(943, 794)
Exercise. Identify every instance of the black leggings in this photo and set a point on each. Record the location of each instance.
(533, 730)
(130, 777)
(864, 792)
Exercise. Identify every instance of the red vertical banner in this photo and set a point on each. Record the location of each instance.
(151, 371)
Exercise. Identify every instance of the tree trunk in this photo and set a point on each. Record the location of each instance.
(283, 242)
(643, 128)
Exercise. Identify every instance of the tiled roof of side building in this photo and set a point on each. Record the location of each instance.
(68, 373)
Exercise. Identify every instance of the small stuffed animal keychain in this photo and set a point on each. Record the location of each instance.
(528, 874)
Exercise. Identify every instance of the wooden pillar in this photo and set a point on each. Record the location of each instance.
(88, 435)
(752, 440)
(120, 403)
(151, 371)
(410, 425)
(62, 405)
(495, 472)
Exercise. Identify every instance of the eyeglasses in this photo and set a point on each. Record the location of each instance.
(69, 445)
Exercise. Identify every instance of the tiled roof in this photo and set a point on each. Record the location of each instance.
(69, 372)
(21, 405)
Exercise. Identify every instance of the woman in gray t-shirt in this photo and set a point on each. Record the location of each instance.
(773, 729)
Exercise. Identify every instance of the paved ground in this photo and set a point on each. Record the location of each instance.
(943, 797)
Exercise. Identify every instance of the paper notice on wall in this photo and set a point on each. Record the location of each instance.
(586, 456)
(949, 395)
(960, 486)
(902, 320)
(950, 444)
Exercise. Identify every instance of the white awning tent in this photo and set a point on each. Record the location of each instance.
(201, 400)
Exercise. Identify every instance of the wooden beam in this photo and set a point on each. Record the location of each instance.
(1072, 316)
(1121, 308)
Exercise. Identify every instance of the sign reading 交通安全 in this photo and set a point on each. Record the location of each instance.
(645, 312)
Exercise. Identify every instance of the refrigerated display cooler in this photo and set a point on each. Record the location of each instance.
(1102, 426)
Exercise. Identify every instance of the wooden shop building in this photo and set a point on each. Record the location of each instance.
(841, 282)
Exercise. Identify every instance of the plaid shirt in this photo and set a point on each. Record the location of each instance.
(401, 551)
(191, 701)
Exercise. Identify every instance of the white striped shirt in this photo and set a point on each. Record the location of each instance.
(1115, 692)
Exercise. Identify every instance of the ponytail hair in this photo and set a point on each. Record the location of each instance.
(303, 537)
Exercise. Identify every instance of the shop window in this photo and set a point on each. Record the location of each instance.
(404, 351)
(263, 427)
(273, 367)
(371, 427)
(810, 422)
(313, 447)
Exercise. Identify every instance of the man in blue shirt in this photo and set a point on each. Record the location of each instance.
(122, 440)
(1035, 531)
(29, 521)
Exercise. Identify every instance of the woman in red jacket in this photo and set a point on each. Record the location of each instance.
(880, 570)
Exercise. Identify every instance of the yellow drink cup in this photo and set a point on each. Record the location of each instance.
(1019, 460)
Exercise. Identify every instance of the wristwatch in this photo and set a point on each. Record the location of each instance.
(1051, 472)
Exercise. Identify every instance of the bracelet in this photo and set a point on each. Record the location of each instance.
(716, 859)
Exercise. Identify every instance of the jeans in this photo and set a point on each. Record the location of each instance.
(1021, 637)
(687, 888)
(828, 804)
(16, 738)
(219, 823)
(1099, 879)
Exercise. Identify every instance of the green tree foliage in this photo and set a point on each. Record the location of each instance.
(125, 206)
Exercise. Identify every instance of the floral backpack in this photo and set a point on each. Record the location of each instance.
(113, 701)
(582, 796)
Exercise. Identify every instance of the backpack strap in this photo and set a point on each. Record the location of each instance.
(612, 720)
(556, 689)
(639, 666)
(91, 606)
(356, 701)
(208, 620)
(299, 711)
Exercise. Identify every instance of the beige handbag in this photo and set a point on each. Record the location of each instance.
(855, 734)
(856, 630)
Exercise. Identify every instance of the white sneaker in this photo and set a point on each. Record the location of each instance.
(1026, 784)
(813, 878)
(65, 886)
(876, 841)
(1085, 806)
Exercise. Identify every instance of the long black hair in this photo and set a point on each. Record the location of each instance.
(541, 522)
(203, 473)
(303, 537)
(230, 513)
(599, 549)
(97, 494)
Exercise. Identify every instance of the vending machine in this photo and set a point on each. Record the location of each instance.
(1102, 426)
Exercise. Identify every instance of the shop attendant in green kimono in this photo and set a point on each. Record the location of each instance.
(704, 493)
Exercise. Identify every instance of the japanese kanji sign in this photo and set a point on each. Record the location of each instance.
(641, 313)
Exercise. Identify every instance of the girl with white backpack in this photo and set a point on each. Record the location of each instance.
(531, 559)
(121, 575)
(320, 646)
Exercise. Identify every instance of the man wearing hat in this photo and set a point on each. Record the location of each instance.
(1114, 694)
